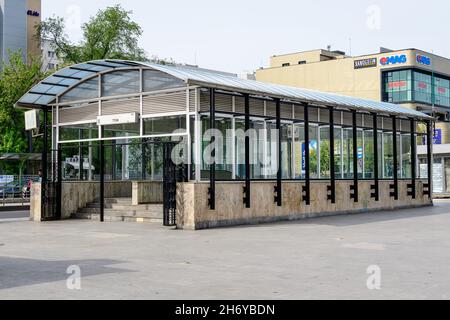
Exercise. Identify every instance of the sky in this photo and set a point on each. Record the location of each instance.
(241, 35)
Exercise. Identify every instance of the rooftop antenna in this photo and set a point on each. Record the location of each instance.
(350, 46)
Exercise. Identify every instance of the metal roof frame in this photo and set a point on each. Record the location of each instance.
(206, 78)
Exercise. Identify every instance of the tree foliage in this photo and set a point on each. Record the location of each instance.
(110, 34)
(16, 78)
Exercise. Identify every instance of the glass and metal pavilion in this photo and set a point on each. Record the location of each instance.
(323, 136)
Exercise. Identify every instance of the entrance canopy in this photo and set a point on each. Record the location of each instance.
(81, 81)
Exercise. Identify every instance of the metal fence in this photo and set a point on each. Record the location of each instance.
(15, 190)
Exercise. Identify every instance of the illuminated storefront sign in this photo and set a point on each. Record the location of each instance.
(421, 59)
(393, 60)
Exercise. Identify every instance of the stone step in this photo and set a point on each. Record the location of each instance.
(111, 201)
(123, 206)
(108, 218)
(125, 213)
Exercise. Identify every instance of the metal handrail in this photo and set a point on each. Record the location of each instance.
(14, 192)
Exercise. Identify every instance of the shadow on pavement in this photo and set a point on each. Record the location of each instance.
(18, 272)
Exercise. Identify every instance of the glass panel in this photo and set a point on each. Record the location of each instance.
(120, 83)
(369, 155)
(338, 152)
(325, 152)
(70, 155)
(397, 86)
(299, 149)
(83, 91)
(122, 130)
(286, 151)
(406, 156)
(155, 80)
(313, 151)
(78, 132)
(388, 156)
(224, 165)
(166, 125)
(348, 153)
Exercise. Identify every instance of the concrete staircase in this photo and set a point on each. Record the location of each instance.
(121, 209)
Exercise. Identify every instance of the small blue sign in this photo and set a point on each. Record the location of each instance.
(437, 137)
(360, 153)
(421, 59)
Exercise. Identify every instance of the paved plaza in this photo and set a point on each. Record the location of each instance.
(324, 258)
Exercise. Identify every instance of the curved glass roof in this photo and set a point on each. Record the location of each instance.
(46, 91)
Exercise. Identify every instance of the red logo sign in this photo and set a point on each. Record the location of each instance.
(398, 84)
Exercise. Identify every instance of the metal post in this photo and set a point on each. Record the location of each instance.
(212, 169)
(247, 188)
(376, 186)
(394, 187)
(279, 187)
(59, 182)
(102, 179)
(80, 151)
(307, 187)
(430, 158)
(413, 159)
(355, 187)
(332, 187)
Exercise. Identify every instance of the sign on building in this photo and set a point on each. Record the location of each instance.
(366, 63)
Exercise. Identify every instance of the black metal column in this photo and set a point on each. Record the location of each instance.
(355, 187)
(412, 187)
(279, 186)
(429, 186)
(212, 168)
(307, 187)
(44, 169)
(376, 171)
(59, 183)
(332, 186)
(247, 188)
(102, 178)
(394, 187)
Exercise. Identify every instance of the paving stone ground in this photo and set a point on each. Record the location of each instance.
(324, 258)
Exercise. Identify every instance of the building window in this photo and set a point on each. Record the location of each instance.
(302, 62)
(285, 64)
(416, 86)
(50, 66)
(397, 86)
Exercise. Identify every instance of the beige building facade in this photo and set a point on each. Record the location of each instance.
(412, 78)
(34, 12)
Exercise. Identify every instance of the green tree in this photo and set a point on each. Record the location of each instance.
(110, 34)
(16, 78)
